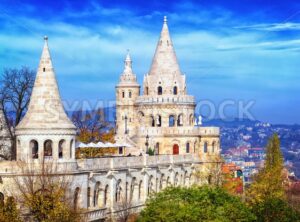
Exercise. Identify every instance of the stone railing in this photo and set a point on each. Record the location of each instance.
(95, 215)
(117, 163)
(18, 167)
(191, 131)
(182, 99)
(105, 164)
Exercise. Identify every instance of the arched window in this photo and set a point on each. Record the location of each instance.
(159, 90)
(88, 197)
(176, 179)
(180, 120)
(168, 181)
(105, 195)
(129, 94)
(71, 148)
(157, 149)
(152, 121)
(76, 197)
(205, 147)
(127, 191)
(132, 185)
(187, 147)
(185, 178)
(175, 90)
(140, 189)
(191, 120)
(161, 182)
(147, 90)
(1, 199)
(171, 120)
(34, 149)
(48, 148)
(61, 148)
(158, 120)
(96, 193)
(213, 147)
(118, 192)
(150, 185)
(123, 94)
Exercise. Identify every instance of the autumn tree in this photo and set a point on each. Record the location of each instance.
(210, 173)
(15, 90)
(43, 191)
(268, 183)
(90, 124)
(9, 211)
(266, 195)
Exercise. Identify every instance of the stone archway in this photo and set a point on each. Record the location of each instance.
(175, 149)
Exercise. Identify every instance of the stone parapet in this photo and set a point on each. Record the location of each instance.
(119, 163)
(165, 99)
(179, 131)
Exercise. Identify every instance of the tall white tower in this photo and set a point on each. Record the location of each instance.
(127, 92)
(45, 132)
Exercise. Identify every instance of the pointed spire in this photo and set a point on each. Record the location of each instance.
(45, 110)
(128, 63)
(164, 61)
(128, 77)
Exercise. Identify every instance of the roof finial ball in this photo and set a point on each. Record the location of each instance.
(165, 19)
(46, 38)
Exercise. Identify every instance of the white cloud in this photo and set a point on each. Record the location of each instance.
(272, 27)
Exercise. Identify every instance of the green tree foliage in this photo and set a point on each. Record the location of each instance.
(9, 211)
(275, 210)
(195, 204)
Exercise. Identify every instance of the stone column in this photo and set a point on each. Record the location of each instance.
(55, 149)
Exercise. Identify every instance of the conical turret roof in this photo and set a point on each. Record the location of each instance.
(164, 61)
(45, 111)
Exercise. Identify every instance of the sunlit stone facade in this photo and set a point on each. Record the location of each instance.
(102, 185)
(162, 117)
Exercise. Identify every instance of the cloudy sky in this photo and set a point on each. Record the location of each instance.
(246, 50)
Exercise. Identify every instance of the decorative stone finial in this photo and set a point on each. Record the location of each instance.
(46, 38)
(165, 20)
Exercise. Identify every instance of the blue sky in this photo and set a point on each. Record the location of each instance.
(241, 50)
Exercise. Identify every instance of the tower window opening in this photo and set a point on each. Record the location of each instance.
(61, 148)
(187, 147)
(171, 120)
(35, 149)
(130, 94)
(159, 90)
(152, 121)
(147, 90)
(180, 120)
(205, 147)
(175, 90)
(48, 148)
(158, 121)
(44, 69)
(123, 94)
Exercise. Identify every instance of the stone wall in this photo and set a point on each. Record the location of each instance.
(104, 186)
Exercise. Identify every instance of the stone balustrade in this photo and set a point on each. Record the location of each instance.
(103, 164)
(191, 131)
(97, 214)
(118, 163)
(182, 99)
